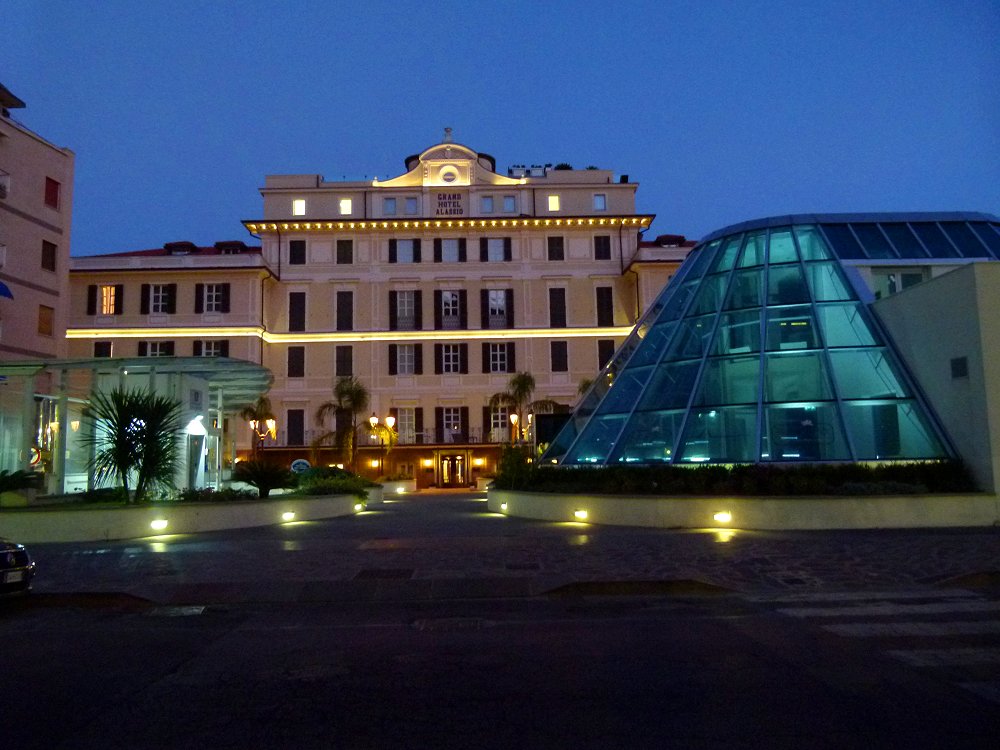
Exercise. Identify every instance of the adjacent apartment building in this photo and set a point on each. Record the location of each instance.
(36, 201)
(432, 289)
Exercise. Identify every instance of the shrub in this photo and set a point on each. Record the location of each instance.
(514, 472)
(264, 476)
(399, 477)
(351, 485)
(209, 495)
(17, 480)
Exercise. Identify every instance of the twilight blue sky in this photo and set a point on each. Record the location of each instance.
(722, 111)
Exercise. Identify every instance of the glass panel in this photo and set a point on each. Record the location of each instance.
(649, 438)
(791, 328)
(803, 432)
(563, 440)
(890, 429)
(710, 294)
(700, 258)
(843, 241)
(597, 440)
(670, 386)
(867, 373)
(786, 285)
(988, 235)
(730, 380)
(625, 390)
(745, 289)
(753, 250)
(727, 255)
(691, 340)
(798, 376)
(653, 345)
(725, 435)
(827, 283)
(905, 243)
(676, 307)
(782, 248)
(845, 325)
(738, 333)
(935, 241)
(965, 240)
(811, 244)
(874, 242)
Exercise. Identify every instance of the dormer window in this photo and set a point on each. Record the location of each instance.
(346, 206)
(553, 203)
(299, 207)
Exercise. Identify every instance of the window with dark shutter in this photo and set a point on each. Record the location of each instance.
(345, 252)
(345, 311)
(197, 348)
(295, 431)
(119, 299)
(558, 351)
(144, 301)
(102, 348)
(199, 298)
(602, 247)
(605, 351)
(224, 301)
(92, 299)
(344, 361)
(296, 311)
(297, 253)
(509, 304)
(511, 364)
(393, 354)
(296, 361)
(556, 249)
(557, 307)
(605, 306)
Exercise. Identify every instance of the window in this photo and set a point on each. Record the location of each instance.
(345, 311)
(346, 206)
(404, 310)
(557, 307)
(296, 361)
(498, 308)
(494, 249)
(345, 252)
(406, 424)
(158, 299)
(498, 357)
(388, 206)
(556, 249)
(405, 359)
(343, 361)
(296, 311)
(404, 251)
(451, 359)
(156, 348)
(297, 252)
(102, 348)
(211, 348)
(509, 204)
(553, 202)
(558, 351)
(52, 189)
(449, 251)
(295, 432)
(105, 299)
(605, 306)
(48, 255)
(211, 298)
(888, 282)
(298, 207)
(605, 351)
(500, 427)
(486, 204)
(450, 309)
(600, 202)
(411, 206)
(451, 421)
(602, 247)
(46, 320)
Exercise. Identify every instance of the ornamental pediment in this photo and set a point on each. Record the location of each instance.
(448, 165)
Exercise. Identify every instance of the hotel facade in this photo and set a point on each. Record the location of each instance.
(432, 289)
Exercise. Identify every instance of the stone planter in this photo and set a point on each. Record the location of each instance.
(398, 487)
(375, 496)
(483, 483)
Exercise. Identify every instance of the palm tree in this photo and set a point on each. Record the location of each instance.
(135, 434)
(350, 396)
(259, 411)
(517, 399)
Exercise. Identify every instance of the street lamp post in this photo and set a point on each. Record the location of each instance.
(262, 428)
(390, 422)
(513, 423)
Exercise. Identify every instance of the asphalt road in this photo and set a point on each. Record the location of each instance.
(248, 639)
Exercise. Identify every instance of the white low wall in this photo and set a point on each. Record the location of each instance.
(84, 523)
(774, 513)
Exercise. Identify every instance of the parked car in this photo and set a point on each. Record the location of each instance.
(16, 568)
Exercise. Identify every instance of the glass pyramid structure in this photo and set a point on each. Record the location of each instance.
(762, 350)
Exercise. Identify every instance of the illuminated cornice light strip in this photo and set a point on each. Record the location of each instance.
(492, 334)
(431, 225)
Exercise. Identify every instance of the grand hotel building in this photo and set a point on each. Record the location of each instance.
(432, 288)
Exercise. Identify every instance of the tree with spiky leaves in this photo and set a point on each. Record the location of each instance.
(135, 434)
(517, 399)
(349, 396)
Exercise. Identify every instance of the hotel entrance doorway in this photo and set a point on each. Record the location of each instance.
(454, 472)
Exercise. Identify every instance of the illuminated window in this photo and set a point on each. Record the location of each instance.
(109, 300)
(509, 204)
(487, 204)
(388, 206)
(600, 202)
(553, 203)
(346, 206)
(411, 206)
(299, 207)
(46, 320)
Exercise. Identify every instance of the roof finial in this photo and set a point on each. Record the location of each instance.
(447, 135)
